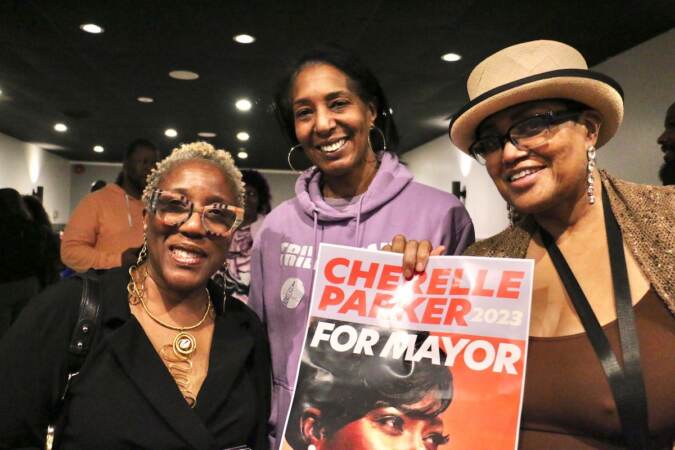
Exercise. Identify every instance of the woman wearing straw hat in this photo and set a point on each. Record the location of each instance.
(603, 296)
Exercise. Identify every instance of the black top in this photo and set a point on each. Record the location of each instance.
(124, 396)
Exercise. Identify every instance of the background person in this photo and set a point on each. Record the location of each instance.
(52, 263)
(667, 143)
(360, 402)
(237, 271)
(106, 230)
(535, 118)
(357, 193)
(174, 364)
(23, 256)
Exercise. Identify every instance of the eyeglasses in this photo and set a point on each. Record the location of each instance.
(525, 135)
(174, 210)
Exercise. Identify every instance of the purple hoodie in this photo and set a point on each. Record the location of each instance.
(282, 264)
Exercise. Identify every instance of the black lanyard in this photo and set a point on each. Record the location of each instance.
(626, 384)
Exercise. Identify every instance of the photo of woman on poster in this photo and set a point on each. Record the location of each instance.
(356, 401)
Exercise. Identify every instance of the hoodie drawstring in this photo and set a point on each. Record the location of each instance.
(315, 248)
(359, 235)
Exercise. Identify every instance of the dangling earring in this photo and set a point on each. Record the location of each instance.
(590, 191)
(143, 254)
(135, 293)
(289, 158)
(384, 139)
(311, 447)
(512, 214)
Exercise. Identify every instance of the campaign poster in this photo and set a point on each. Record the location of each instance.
(435, 362)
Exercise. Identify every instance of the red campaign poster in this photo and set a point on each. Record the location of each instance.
(436, 362)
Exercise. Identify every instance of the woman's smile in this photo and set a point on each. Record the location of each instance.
(333, 146)
(187, 255)
(523, 178)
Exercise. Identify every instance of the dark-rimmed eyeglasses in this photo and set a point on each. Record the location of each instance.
(526, 134)
(174, 209)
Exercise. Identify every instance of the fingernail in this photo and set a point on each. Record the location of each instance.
(419, 267)
(407, 274)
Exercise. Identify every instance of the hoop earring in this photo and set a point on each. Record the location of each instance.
(384, 139)
(288, 158)
(590, 191)
(143, 254)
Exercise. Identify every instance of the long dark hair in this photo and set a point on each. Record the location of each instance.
(362, 80)
(36, 209)
(12, 204)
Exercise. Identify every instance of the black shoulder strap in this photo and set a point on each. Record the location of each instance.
(626, 384)
(87, 322)
(80, 343)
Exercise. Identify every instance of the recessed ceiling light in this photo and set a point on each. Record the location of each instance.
(170, 132)
(98, 148)
(243, 104)
(242, 155)
(145, 99)
(206, 134)
(243, 136)
(183, 75)
(244, 39)
(91, 28)
(451, 57)
(61, 127)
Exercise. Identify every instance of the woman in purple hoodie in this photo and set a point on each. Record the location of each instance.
(357, 193)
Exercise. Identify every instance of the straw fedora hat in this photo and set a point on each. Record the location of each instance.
(535, 70)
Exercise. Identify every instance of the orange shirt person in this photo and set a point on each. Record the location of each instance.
(107, 226)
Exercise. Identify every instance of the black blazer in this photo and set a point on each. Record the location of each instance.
(124, 396)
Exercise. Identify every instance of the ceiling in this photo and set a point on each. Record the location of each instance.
(51, 71)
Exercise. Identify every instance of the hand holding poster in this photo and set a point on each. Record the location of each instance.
(436, 362)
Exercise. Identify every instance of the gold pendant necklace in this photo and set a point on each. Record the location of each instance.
(184, 343)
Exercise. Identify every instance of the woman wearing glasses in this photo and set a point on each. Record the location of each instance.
(332, 108)
(600, 357)
(173, 364)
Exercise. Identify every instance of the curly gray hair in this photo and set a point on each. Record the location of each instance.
(196, 150)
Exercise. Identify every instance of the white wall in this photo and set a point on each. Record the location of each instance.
(282, 184)
(25, 166)
(438, 163)
(647, 74)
